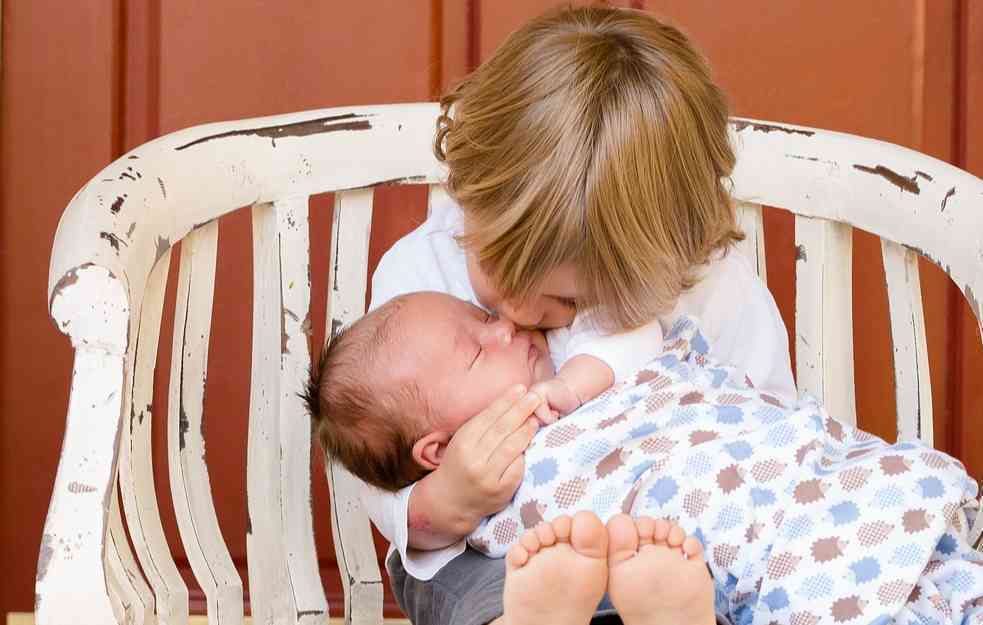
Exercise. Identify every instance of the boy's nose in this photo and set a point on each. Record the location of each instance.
(524, 315)
(498, 332)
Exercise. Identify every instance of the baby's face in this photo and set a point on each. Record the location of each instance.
(462, 358)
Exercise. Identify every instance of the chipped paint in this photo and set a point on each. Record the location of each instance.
(133, 157)
(756, 127)
(129, 231)
(800, 253)
(948, 195)
(284, 337)
(921, 174)
(162, 246)
(67, 280)
(406, 180)
(811, 158)
(905, 184)
(974, 303)
(336, 326)
(163, 190)
(44, 559)
(117, 204)
(306, 327)
(302, 613)
(79, 487)
(114, 240)
(332, 123)
(183, 425)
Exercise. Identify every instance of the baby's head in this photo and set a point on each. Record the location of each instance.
(392, 388)
(593, 138)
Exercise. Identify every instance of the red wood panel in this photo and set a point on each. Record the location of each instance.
(57, 123)
(125, 71)
(967, 345)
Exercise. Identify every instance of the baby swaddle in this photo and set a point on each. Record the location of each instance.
(804, 520)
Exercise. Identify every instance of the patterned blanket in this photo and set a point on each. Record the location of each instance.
(804, 519)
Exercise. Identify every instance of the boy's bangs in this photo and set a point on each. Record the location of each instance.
(520, 244)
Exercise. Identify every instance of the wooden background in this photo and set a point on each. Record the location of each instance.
(83, 82)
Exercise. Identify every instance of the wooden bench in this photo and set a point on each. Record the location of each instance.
(106, 290)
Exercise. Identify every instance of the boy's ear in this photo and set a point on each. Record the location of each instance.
(429, 450)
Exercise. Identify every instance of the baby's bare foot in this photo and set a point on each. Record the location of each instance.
(657, 575)
(556, 573)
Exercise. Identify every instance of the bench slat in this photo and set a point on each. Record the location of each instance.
(190, 486)
(354, 548)
(824, 314)
(293, 243)
(136, 472)
(133, 601)
(750, 220)
(912, 382)
(270, 595)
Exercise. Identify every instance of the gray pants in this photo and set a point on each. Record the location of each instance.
(467, 591)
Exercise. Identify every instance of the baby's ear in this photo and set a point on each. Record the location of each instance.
(429, 450)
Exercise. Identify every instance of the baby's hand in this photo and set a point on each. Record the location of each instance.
(559, 400)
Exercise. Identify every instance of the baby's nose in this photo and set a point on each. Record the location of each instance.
(498, 332)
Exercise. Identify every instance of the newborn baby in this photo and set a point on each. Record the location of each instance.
(399, 382)
(803, 519)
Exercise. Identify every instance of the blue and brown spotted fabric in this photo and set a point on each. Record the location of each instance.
(804, 519)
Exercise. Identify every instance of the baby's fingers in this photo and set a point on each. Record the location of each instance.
(544, 414)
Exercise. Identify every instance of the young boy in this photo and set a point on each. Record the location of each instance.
(587, 163)
(781, 497)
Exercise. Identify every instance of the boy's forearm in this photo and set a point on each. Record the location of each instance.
(433, 524)
(587, 376)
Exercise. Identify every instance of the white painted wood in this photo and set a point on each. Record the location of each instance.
(270, 594)
(293, 246)
(751, 221)
(117, 227)
(190, 486)
(134, 595)
(354, 548)
(136, 472)
(824, 314)
(912, 381)
(71, 577)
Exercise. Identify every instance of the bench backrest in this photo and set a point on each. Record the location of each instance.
(106, 291)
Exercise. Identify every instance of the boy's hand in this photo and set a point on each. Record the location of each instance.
(481, 469)
(559, 399)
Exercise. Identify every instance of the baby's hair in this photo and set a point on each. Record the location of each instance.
(365, 425)
(593, 136)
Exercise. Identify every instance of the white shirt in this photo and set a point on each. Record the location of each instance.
(737, 312)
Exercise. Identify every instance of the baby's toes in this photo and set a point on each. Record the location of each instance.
(646, 530)
(676, 536)
(692, 547)
(530, 541)
(516, 557)
(546, 535)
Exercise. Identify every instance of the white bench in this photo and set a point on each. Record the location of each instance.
(106, 287)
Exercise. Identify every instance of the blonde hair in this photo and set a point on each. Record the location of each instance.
(592, 136)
